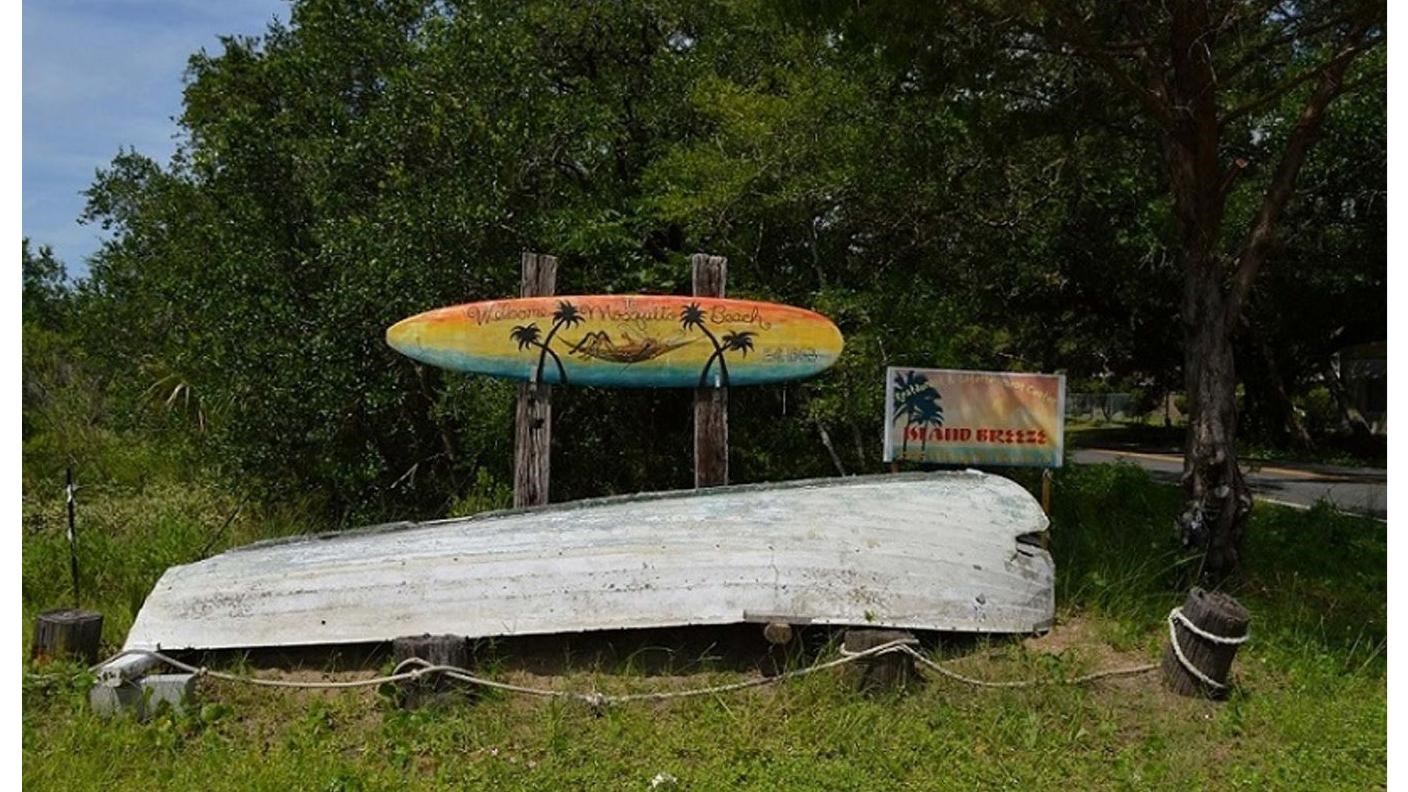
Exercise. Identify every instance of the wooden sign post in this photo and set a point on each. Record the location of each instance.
(710, 404)
(532, 442)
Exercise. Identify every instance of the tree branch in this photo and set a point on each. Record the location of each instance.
(1278, 194)
(1338, 62)
(1294, 33)
(1072, 32)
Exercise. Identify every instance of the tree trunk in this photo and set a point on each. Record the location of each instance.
(1218, 498)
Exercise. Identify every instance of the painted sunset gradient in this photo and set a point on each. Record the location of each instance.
(623, 341)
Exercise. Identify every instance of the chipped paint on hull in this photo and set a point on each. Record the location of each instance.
(918, 551)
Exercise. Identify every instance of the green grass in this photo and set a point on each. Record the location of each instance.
(1309, 710)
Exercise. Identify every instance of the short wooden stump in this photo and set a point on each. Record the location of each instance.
(67, 633)
(893, 671)
(1216, 614)
(442, 650)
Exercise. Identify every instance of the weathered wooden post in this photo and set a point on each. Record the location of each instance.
(890, 671)
(1046, 491)
(1199, 657)
(446, 650)
(68, 633)
(532, 446)
(710, 403)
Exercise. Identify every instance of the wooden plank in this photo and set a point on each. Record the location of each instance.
(710, 404)
(532, 446)
(919, 551)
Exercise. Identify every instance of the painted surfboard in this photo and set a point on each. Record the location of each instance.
(623, 341)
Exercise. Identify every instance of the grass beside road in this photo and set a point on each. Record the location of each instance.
(1309, 710)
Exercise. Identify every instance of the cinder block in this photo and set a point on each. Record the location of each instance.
(177, 691)
(111, 700)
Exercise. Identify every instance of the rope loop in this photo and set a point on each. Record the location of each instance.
(884, 648)
(1177, 615)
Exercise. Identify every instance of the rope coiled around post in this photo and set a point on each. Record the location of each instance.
(1176, 617)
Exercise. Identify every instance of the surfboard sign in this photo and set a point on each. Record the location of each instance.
(623, 341)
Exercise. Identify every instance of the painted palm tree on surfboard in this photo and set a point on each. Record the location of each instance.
(526, 336)
(692, 316)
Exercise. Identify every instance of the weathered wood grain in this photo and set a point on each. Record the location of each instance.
(710, 404)
(532, 445)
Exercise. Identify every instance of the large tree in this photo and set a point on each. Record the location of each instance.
(1209, 76)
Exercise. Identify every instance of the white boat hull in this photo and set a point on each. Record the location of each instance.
(918, 551)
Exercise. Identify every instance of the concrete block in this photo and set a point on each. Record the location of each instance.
(177, 691)
(112, 700)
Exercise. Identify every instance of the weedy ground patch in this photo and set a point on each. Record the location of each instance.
(1309, 710)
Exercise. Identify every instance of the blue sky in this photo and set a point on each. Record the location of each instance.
(100, 75)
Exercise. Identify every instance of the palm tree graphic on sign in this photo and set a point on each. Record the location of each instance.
(527, 336)
(917, 402)
(692, 316)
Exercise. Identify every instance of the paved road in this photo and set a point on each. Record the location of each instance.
(1359, 490)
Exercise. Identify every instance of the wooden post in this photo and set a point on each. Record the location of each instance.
(450, 650)
(1217, 614)
(710, 404)
(68, 633)
(893, 671)
(533, 434)
(1046, 491)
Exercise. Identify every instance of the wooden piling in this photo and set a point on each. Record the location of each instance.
(710, 404)
(1217, 614)
(67, 633)
(888, 672)
(449, 650)
(533, 418)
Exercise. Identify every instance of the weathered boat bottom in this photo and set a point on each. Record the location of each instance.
(919, 552)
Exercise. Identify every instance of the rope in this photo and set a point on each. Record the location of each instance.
(422, 668)
(1023, 683)
(1176, 617)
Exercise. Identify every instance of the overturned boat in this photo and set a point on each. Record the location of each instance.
(941, 551)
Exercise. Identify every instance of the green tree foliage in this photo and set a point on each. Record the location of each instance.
(949, 199)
